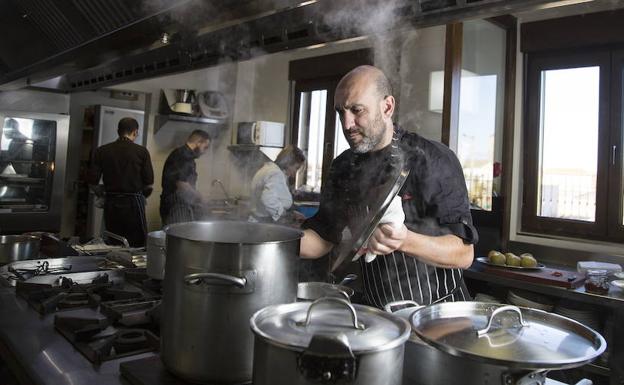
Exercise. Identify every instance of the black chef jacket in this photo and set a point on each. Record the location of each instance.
(435, 202)
(179, 167)
(126, 169)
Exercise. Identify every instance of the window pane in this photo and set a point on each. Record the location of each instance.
(479, 131)
(311, 138)
(26, 163)
(569, 143)
(340, 142)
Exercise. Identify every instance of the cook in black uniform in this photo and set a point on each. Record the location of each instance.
(180, 200)
(126, 169)
(422, 259)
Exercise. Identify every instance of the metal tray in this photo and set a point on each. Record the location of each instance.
(485, 261)
(347, 254)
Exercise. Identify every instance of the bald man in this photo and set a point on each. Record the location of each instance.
(421, 259)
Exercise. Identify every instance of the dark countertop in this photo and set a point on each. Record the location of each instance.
(614, 299)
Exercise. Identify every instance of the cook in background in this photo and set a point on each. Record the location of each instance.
(180, 201)
(421, 259)
(270, 194)
(126, 170)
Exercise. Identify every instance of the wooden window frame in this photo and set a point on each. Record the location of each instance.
(531, 222)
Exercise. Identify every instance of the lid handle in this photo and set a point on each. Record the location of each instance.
(338, 301)
(502, 309)
(391, 305)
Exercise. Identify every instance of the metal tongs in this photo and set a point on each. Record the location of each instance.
(42, 268)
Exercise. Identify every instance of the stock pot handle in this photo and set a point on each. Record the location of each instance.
(196, 278)
(498, 311)
(335, 300)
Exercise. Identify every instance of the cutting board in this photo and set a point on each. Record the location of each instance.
(569, 279)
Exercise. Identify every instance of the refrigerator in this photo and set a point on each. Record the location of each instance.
(105, 131)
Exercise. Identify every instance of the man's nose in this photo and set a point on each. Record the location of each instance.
(348, 121)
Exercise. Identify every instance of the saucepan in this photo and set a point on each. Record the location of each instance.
(18, 247)
(311, 291)
(491, 343)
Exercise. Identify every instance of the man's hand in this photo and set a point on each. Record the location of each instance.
(387, 238)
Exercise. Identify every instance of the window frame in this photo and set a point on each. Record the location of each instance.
(328, 83)
(530, 221)
(615, 223)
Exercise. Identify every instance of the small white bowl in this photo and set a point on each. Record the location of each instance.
(619, 275)
(618, 283)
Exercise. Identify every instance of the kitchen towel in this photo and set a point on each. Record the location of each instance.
(394, 216)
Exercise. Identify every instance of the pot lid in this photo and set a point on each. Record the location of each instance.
(294, 325)
(507, 335)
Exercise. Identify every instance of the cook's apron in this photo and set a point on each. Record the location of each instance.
(124, 214)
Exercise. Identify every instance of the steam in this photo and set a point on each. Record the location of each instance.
(379, 21)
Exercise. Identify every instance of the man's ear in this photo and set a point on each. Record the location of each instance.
(388, 105)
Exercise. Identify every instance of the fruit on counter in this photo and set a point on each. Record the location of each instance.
(527, 260)
(512, 259)
(496, 257)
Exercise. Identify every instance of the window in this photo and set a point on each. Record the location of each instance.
(481, 109)
(316, 128)
(312, 113)
(573, 136)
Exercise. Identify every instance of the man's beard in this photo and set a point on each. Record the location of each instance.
(369, 142)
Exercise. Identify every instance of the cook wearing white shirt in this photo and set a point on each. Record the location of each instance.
(270, 194)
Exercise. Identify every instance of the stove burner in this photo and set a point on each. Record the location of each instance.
(73, 300)
(100, 339)
(129, 340)
(47, 298)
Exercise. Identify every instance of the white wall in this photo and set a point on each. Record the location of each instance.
(422, 53)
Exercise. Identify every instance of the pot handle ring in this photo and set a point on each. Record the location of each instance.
(496, 312)
(335, 300)
(193, 279)
(391, 305)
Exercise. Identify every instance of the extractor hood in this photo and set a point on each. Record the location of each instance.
(91, 44)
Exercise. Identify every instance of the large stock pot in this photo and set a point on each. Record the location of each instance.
(218, 274)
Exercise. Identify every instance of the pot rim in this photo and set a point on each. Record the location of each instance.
(396, 342)
(168, 228)
(8, 239)
(348, 290)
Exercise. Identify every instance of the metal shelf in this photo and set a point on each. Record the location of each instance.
(163, 119)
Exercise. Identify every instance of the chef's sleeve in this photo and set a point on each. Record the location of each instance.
(329, 221)
(450, 200)
(95, 171)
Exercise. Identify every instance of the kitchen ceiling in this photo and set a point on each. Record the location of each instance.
(90, 44)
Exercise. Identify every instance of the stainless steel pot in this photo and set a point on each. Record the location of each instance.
(491, 343)
(327, 341)
(18, 248)
(217, 275)
(311, 291)
(156, 254)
